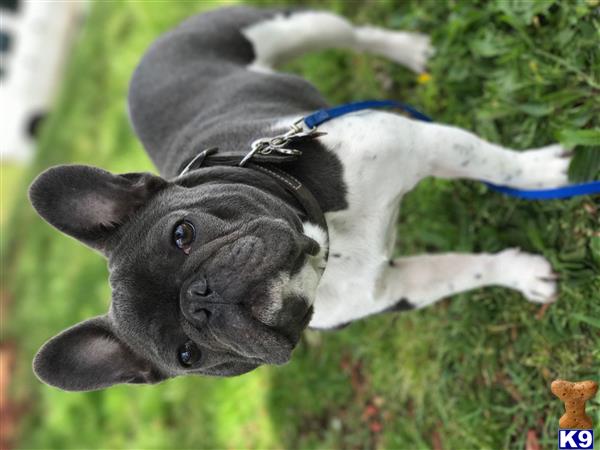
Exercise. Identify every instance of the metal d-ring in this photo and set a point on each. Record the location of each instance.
(199, 159)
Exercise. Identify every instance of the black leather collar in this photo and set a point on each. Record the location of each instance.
(265, 164)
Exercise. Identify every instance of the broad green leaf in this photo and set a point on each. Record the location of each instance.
(579, 137)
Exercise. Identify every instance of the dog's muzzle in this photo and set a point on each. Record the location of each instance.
(230, 327)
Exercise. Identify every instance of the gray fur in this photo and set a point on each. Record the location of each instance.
(231, 106)
(191, 91)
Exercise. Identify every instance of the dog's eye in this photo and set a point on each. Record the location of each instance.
(188, 354)
(183, 236)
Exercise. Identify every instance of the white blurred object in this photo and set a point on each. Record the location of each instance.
(35, 41)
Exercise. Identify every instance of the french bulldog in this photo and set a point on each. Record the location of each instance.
(216, 269)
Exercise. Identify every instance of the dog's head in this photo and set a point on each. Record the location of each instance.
(212, 277)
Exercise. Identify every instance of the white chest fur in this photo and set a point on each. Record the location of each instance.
(377, 170)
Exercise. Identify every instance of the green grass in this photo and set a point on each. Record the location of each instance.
(10, 175)
(470, 372)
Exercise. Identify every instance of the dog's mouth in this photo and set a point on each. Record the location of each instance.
(274, 347)
(255, 323)
(231, 335)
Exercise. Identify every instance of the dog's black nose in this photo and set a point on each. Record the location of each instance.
(197, 302)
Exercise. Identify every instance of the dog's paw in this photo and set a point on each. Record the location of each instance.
(532, 275)
(409, 49)
(412, 50)
(420, 52)
(545, 167)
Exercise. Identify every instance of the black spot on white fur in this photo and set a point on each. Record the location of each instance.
(402, 305)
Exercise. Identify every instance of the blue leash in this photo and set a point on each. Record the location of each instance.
(323, 115)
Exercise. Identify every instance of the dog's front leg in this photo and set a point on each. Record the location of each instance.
(418, 281)
(424, 279)
(456, 153)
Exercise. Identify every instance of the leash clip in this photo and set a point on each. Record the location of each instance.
(278, 144)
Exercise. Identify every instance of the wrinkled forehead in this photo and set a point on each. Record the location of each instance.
(215, 208)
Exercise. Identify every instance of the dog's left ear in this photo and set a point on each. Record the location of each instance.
(88, 203)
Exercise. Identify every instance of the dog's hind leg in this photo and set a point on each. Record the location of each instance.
(286, 36)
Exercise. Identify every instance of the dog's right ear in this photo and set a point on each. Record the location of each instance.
(88, 203)
(89, 356)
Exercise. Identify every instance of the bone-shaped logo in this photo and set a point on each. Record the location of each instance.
(574, 396)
